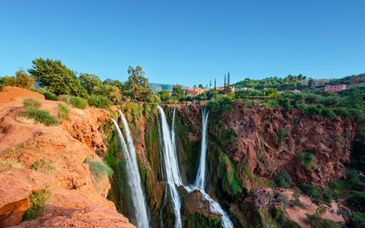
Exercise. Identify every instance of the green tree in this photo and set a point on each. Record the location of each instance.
(110, 91)
(23, 80)
(57, 77)
(137, 85)
(164, 95)
(178, 91)
(90, 82)
(7, 81)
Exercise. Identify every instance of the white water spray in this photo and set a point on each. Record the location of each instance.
(200, 178)
(133, 176)
(172, 173)
(173, 176)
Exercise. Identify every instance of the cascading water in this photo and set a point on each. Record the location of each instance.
(133, 176)
(172, 173)
(200, 178)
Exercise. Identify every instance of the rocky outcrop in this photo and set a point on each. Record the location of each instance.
(35, 157)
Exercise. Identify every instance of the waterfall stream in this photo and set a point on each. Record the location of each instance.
(133, 176)
(172, 171)
(200, 178)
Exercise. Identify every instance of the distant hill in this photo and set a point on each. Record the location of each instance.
(157, 87)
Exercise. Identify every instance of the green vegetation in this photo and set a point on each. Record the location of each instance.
(311, 191)
(55, 76)
(40, 116)
(38, 201)
(280, 216)
(280, 138)
(99, 101)
(21, 79)
(357, 220)
(99, 169)
(231, 183)
(31, 103)
(50, 96)
(282, 179)
(317, 221)
(288, 83)
(78, 102)
(62, 111)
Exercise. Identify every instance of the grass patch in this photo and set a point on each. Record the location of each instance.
(31, 103)
(99, 169)
(38, 201)
(78, 102)
(42, 164)
(40, 116)
(62, 111)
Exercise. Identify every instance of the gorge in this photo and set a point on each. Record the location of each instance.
(175, 168)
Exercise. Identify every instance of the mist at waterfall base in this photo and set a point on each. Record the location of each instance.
(172, 171)
(133, 175)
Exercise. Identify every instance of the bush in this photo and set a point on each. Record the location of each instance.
(311, 191)
(308, 160)
(31, 103)
(38, 201)
(40, 116)
(64, 98)
(62, 111)
(50, 96)
(282, 179)
(78, 102)
(318, 222)
(358, 220)
(99, 169)
(99, 101)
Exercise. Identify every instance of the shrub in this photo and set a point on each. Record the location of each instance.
(40, 116)
(308, 160)
(99, 169)
(282, 179)
(50, 96)
(38, 201)
(30, 102)
(357, 199)
(64, 98)
(99, 101)
(358, 220)
(78, 102)
(23, 80)
(311, 191)
(280, 138)
(62, 111)
(318, 222)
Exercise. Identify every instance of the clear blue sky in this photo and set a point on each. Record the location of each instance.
(187, 42)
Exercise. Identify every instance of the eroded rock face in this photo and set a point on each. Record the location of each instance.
(34, 157)
(16, 186)
(266, 140)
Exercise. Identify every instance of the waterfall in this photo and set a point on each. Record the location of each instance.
(200, 178)
(172, 172)
(133, 176)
